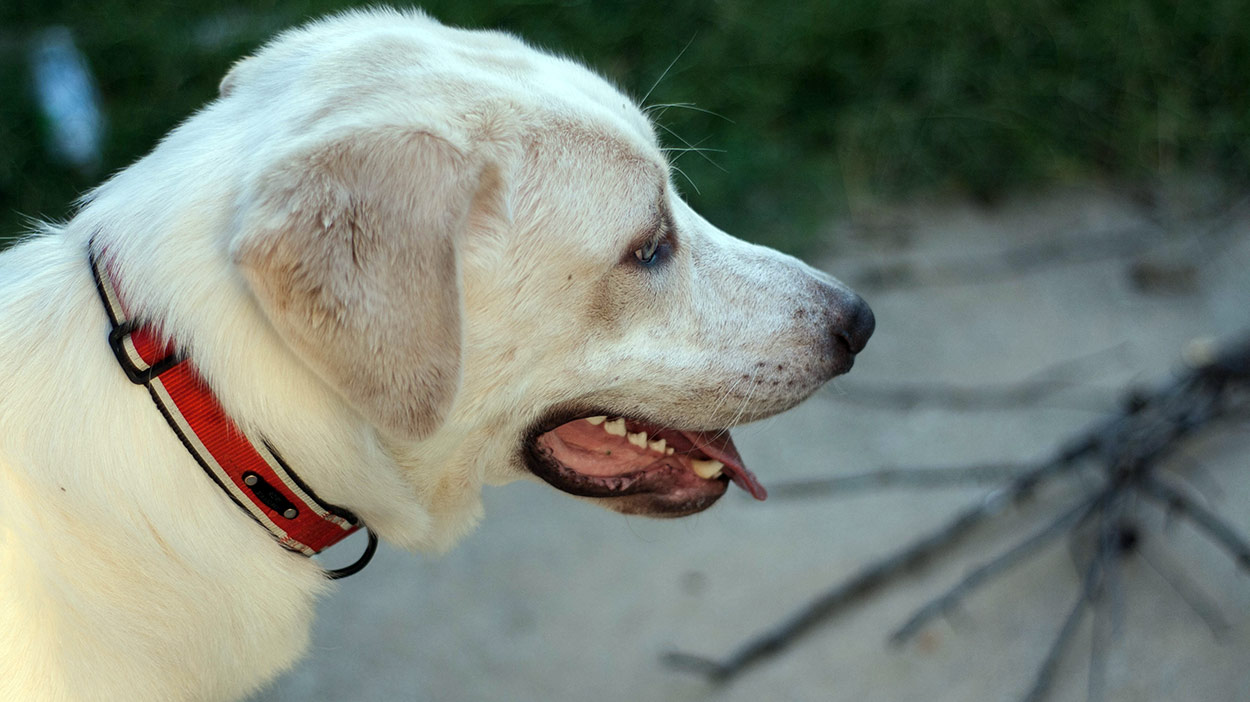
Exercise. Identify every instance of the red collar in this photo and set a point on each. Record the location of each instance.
(245, 467)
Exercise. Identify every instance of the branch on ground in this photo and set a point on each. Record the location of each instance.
(1126, 451)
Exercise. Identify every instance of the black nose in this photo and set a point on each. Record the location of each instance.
(857, 322)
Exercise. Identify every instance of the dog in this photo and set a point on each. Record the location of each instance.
(395, 262)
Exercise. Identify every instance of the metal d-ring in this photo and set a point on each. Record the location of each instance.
(360, 563)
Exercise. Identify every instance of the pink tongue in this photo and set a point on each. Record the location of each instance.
(720, 446)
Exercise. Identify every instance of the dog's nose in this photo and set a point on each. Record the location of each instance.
(857, 322)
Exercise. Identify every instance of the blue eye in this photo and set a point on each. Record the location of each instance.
(651, 252)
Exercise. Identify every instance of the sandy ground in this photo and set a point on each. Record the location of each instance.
(552, 599)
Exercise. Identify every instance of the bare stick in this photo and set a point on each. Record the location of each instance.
(1128, 446)
(1190, 592)
(1190, 471)
(960, 476)
(1034, 389)
(1210, 522)
(997, 565)
(1108, 598)
(1100, 640)
(874, 576)
(1013, 263)
(960, 398)
(1046, 672)
(1050, 251)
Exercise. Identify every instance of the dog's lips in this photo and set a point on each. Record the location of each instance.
(719, 446)
(606, 457)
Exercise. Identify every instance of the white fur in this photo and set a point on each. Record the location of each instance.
(125, 574)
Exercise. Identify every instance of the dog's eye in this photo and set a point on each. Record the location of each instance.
(651, 252)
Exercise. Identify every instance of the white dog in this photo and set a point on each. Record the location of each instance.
(393, 262)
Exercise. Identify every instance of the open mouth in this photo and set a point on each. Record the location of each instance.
(675, 471)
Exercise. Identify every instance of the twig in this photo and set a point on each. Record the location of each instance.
(1210, 522)
(1046, 672)
(1190, 592)
(1036, 388)
(1190, 471)
(1129, 447)
(959, 476)
(998, 565)
(1100, 641)
(1046, 253)
(1108, 600)
(874, 576)
(960, 398)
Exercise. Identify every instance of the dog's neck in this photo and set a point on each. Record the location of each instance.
(190, 287)
(247, 469)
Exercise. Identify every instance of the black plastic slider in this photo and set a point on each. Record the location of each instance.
(269, 495)
(117, 341)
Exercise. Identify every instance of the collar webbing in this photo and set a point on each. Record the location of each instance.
(245, 467)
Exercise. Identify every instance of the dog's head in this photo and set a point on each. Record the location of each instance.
(480, 247)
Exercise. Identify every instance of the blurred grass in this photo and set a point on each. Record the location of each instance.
(826, 104)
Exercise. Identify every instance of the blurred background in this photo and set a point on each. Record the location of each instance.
(825, 106)
(1043, 200)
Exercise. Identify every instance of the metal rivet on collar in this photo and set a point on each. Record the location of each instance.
(291, 513)
(250, 480)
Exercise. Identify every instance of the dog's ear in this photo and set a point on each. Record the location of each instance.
(351, 250)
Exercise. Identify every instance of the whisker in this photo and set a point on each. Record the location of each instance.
(682, 149)
(663, 106)
(672, 63)
(678, 137)
(746, 401)
(724, 395)
(687, 106)
(683, 175)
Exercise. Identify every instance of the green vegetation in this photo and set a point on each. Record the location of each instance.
(824, 102)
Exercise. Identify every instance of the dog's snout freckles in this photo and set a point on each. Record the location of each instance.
(843, 323)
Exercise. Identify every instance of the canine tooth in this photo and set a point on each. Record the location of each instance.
(616, 427)
(657, 446)
(707, 469)
(668, 451)
(639, 439)
(596, 420)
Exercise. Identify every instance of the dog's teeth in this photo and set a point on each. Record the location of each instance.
(657, 446)
(639, 439)
(616, 427)
(596, 420)
(668, 451)
(707, 469)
